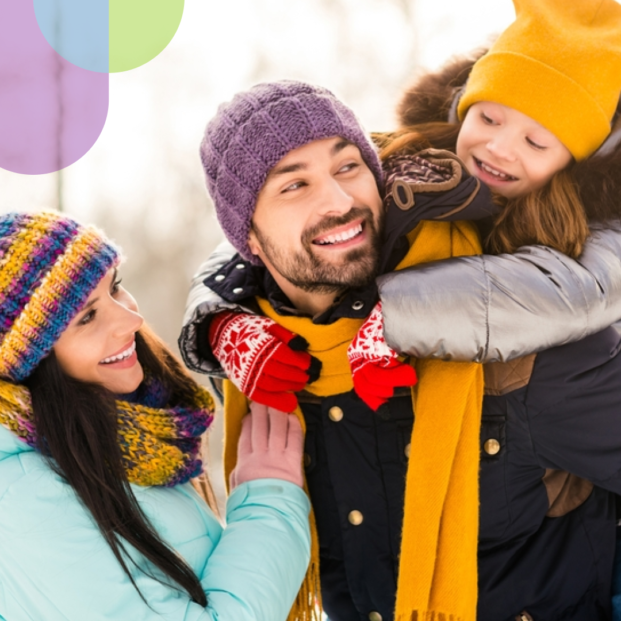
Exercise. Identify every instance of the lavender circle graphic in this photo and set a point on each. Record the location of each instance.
(51, 111)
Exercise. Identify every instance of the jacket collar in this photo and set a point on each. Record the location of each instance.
(238, 280)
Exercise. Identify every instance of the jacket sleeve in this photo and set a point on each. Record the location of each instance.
(496, 308)
(573, 404)
(201, 304)
(55, 565)
(257, 568)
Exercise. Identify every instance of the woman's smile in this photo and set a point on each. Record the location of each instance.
(123, 359)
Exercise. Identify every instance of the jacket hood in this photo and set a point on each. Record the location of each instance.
(430, 97)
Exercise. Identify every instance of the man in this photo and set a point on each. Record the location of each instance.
(296, 184)
(356, 460)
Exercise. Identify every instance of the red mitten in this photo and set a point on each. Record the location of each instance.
(263, 359)
(270, 447)
(375, 367)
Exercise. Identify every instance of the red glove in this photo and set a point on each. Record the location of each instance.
(375, 367)
(270, 447)
(263, 359)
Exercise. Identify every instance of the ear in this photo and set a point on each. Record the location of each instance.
(253, 243)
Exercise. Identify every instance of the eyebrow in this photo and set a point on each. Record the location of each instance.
(283, 170)
(89, 304)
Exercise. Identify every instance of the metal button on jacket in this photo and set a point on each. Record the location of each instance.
(307, 460)
(240, 266)
(491, 446)
(355, 517)
(406, 450)
(219, 278)
(335, 413)
(237, 290)
(375, 616)
(357, 305)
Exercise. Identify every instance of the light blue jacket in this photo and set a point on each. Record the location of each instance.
(55, 565)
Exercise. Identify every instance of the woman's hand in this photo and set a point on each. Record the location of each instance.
(270, 447)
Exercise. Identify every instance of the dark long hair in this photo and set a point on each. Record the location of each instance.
(553, 215)
(76, 424)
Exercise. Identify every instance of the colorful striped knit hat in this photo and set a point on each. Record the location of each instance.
(49, 265)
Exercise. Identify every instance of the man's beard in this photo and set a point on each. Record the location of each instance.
(310, 273)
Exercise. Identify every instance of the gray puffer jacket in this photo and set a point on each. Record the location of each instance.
(492, 307)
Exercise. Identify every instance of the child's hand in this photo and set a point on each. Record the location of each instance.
(264, 360)
(270, 447)
(376, 368)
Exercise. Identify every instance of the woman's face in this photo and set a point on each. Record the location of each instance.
(99, 345)
(509, 151)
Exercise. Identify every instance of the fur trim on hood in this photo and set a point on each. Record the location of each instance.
(430, 98)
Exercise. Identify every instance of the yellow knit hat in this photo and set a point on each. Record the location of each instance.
(560, 64)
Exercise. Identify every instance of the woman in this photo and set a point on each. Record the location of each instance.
(99, 439)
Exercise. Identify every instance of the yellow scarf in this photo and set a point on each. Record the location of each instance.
(438, 559)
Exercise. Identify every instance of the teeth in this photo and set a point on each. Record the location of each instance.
(494, 172)
(341, 237)
(122, 356)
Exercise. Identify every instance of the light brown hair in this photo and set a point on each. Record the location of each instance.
(551, 216)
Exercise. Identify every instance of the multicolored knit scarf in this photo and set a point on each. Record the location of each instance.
(159, 445)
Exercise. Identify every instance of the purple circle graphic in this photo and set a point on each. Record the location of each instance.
(51, 111)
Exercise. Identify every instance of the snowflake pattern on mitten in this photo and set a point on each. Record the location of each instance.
(369, 345)
(376, 368)
(242, 345)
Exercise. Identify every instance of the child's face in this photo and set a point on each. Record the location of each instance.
(509, 151)
(99, 343)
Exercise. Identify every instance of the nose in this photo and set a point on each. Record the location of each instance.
(501, 145)
(127, 320)
(336, 199)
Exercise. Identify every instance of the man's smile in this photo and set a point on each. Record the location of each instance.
(344, 236)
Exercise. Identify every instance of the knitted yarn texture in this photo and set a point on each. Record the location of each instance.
(560, 64)
(160, 445)
(250, 134)
(49, 265)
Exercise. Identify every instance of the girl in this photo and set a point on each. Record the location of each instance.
(99, 439)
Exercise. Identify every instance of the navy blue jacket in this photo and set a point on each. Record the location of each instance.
(550, 460)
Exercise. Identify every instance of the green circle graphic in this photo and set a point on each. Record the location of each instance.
(140, 30)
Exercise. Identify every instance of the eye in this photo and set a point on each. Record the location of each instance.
(294, 186)
(486, 119)
(349, 167)
(535, 145)
(116, 283)
(88, 317)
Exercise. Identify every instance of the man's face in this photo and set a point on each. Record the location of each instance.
(318, 218)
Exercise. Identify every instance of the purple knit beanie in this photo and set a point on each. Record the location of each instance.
(252, 133)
